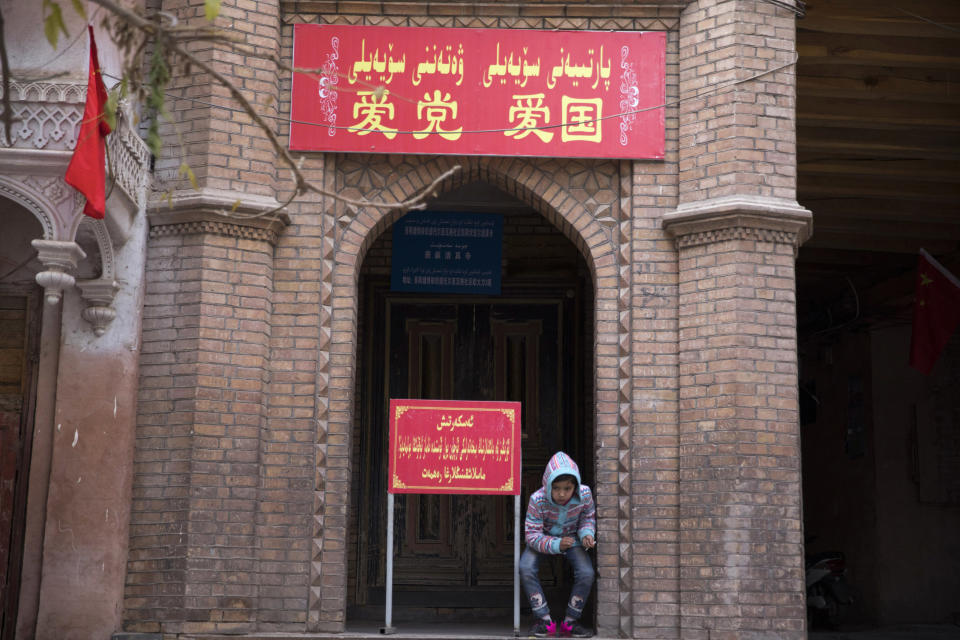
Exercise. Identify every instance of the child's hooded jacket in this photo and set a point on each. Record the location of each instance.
(547, 522)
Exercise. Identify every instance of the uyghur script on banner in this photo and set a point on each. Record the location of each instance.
(509, 92)
(449, 446)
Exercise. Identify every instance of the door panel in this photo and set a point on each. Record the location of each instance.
(471, 351)
(453, 550)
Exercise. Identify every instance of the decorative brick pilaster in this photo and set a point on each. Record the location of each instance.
(741, 546)
(194, 563)
(737, 86)
(737, 229)
(207, 130)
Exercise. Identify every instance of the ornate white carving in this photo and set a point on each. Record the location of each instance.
(54, 283)
(99, 294)
(47, 92)
(212, 211)
(129, 158)
(55, 190)
(59, 258)
(46, 115)
(629, 95)
(327, 90)
(739, 218)
(10, 189)
(104, 244)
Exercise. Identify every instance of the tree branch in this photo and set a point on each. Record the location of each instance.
(173, 38)
(7, 114)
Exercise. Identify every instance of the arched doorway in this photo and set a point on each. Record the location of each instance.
(534, 344)
(20, 309)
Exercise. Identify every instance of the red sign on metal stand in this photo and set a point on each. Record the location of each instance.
(502, 92)
(450, 446)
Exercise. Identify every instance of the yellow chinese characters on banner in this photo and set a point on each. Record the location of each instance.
(478, 91)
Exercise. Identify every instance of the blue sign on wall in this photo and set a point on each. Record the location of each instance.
(447, 252)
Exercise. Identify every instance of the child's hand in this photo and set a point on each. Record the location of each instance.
(565, 543)
(588, 542)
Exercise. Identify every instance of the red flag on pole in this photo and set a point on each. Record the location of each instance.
(936, 312)
(87, 172)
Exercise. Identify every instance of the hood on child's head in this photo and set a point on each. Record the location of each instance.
(559, 465)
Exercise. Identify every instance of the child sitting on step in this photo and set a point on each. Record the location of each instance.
(561, 520)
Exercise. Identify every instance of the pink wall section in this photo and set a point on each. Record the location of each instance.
(88, 504)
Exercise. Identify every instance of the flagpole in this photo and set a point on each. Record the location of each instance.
(388, 622)
(516, 566)
(939, 267)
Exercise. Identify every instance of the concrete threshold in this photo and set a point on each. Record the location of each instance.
(401, 631)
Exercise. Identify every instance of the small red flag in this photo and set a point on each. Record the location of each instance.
(87, 172)
(936, 312)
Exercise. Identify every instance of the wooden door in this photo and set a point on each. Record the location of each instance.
(457, 551)
(19, 324)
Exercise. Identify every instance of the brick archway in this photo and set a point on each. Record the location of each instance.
(580, 198)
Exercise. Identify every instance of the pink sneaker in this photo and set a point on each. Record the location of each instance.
(543, 629)
(574, 630)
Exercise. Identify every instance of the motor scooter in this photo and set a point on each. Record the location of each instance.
(828, 594)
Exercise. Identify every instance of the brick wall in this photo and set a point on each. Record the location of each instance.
(737, 228)
(654, 567)
(737, 133)
(680, 414)
(193, 560)
(292, 466)
(741, 544)
(206, 130)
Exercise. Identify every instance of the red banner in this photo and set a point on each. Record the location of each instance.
(450, 446)
(504, 92)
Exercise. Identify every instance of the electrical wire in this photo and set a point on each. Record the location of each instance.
(797, 6)
(707, 90)
(856, 315)
(928, 20)
(17, 267)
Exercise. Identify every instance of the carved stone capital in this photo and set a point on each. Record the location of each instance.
(235, 215)
(99, 295)
(739, 217)
(60, 259)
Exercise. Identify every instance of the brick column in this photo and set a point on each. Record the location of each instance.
(228, 153)
(193, 563)
(737, 229)
(195, 541)
(737, 86)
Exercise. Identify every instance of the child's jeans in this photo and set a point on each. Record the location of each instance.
(582, 581)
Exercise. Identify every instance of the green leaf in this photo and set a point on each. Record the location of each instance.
(78, 7)
(236, 205)
(110, 109)
(53, 23)
(185, 170)
(153, 137)
(212, 9)
(157, 80)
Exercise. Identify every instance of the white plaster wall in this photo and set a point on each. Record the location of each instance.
(124, 332)
(88, 510)
(31, 56)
